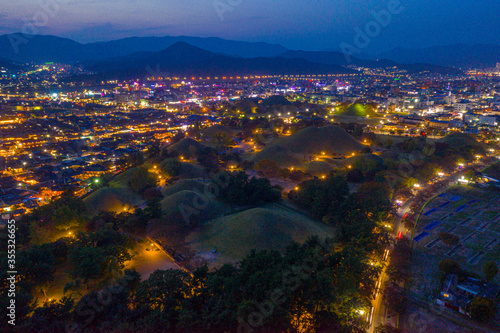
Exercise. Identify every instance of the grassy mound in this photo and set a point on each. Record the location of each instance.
(283, 157)
(316, 168)
(314, 140)
(111, 199)
(259, 228)
(212, 130)
(183, 147)
(364, 159)
(183, 185)
(115, 197)
(189, 171)
(357, 110)
(190, 208)
(462, 140)
(122, 180)
(493, 171)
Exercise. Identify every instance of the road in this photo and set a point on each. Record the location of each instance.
(379, 312)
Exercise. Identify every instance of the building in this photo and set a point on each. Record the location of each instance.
(458, 295)
(462, 106)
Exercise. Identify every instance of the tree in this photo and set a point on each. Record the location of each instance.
(153, 209)
(449, 266)
(387, 328)
(171, 167)
(482, 308)
(490, 270)
(448, 239)
(394, 298)
(164, 290)
(209, 158)
(36, 265)
(268, 167)
(366, 150)
(87, 262)
(55, 310)
(154, 150)
(142, 180)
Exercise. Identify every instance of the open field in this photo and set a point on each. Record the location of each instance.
(472, 215)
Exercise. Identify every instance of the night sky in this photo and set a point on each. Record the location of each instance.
(297, 24)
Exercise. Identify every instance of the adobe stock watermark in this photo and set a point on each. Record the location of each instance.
(202, 200)
(372, 29)
(47, 9)
(223, 6)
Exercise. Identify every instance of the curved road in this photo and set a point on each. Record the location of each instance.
(378, 313)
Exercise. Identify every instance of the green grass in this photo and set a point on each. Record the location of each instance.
(270, 228)
(186, 147)
(115, 197)
(122, 180)
(493, 171)
(190, 208)
(462, 140)
(189, 171)
(111, 199)
(315, 140)
(183, 185)
(316, 168)
(357, 110)
(212, 130)
(281, 155)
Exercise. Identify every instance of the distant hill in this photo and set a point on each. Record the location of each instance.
(314, 140)
(45, 48)
(9, 65)
(40, 48)
(184, 59)
(460, 55)
(338, 58)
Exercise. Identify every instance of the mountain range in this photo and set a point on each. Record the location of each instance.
(142, 55)
(185, 59)
(40, 48)
(458, 56)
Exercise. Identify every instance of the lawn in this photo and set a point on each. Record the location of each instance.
(272, 227)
